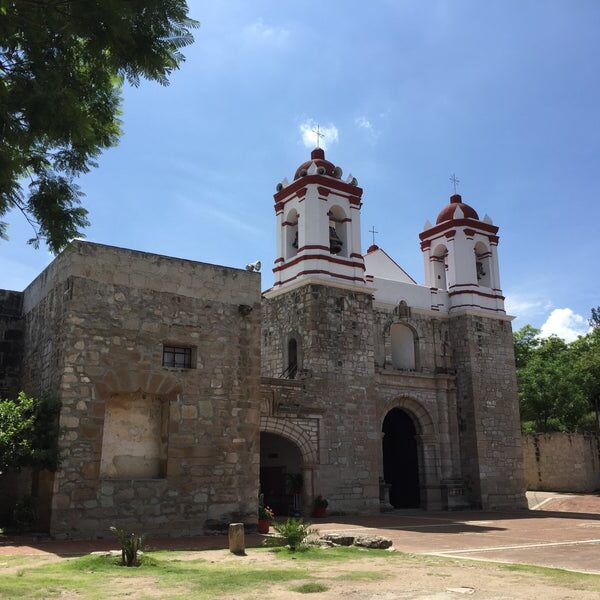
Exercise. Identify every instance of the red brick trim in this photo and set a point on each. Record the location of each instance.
(353, 191)
(477, 225)
(478, 306)
(330, 259)
(319, 272)
(477, 293)
(313, 247)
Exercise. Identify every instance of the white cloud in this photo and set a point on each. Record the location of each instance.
(566, 324)
(366, 126)
(262, 33)
(309, 136)
(363, 123)
(524, 306)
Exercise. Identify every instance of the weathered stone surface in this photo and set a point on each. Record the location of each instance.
(373, 541)
(237, 543)
(562, 462)
(339, 539)
(94, 324)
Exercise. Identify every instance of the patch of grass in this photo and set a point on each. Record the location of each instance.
(562, 576)
(337, 553)
(310, 588)
(363, 576)
(99, 577)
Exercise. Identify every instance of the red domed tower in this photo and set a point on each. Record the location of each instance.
(318, 227)
(460, 254)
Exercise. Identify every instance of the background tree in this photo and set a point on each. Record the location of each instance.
(526, 341)
(587, 352)
(595, 318)
(559, 383)
(549, 391)
(28, 433)
(62, 65)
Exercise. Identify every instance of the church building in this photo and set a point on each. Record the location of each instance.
(185, 390)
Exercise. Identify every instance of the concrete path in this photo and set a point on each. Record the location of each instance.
(560, 538)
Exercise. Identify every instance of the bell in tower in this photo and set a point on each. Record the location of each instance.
(335, 243)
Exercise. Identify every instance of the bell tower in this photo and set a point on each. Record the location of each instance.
(461, 257)
(318, 228)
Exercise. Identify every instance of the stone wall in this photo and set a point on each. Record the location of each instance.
(335, 329)
(488, 411)
(562, 462)
(97, 320)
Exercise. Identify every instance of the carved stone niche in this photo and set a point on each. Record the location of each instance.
(402, 310)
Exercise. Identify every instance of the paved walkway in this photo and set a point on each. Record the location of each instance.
(559, 538)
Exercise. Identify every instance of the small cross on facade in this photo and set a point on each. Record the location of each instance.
(319, 135)
(372, 230)
(455, 181)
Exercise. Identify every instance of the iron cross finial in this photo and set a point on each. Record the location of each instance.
(372, 230)
(319, 135)
(455, 181)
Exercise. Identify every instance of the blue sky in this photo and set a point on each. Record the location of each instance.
(504, 94)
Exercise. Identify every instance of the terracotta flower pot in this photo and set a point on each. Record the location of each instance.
(263, 525)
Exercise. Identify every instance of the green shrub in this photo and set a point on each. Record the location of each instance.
(131, 544)
(293, 533)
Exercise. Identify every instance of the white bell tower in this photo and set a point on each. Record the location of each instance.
(318, 228)
(461, 256)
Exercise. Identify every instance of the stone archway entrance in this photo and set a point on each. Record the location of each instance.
(281, 478)
(401, 459)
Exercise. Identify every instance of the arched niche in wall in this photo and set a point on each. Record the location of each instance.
(439, 260)
(291, 233)
(338, 231)
(404, 351)
(483, 265)
(293, 356)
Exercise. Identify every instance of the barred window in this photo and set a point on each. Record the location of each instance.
(180, 358)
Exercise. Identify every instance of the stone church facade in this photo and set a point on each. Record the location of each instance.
(184, 390)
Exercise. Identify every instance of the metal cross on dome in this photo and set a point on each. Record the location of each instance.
(455, 181)
(319, 135)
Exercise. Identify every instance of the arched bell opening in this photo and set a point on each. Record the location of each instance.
(291, 234)
(338, 231)
(401, 459)
(483, 265)
(439, 260)
(281, 474)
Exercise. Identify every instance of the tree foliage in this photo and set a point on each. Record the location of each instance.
(559, 383)
(62, 65)
(28, 433)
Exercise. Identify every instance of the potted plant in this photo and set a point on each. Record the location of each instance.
(320, 508)
(265, 515)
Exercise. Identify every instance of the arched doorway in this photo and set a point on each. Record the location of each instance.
(401, 459)
(280, 474)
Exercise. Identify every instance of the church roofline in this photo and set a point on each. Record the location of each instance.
(146, 253)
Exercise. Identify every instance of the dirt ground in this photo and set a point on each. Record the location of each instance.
(395, 576)
(414, 577)
(450, 555)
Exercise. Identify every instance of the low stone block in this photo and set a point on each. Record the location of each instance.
(373, 541)
(339, 539)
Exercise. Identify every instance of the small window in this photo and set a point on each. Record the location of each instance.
(179, 358)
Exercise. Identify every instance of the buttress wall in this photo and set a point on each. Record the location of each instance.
(488, 411)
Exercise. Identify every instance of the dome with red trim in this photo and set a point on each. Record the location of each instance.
(447, 213)
(324, 167)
